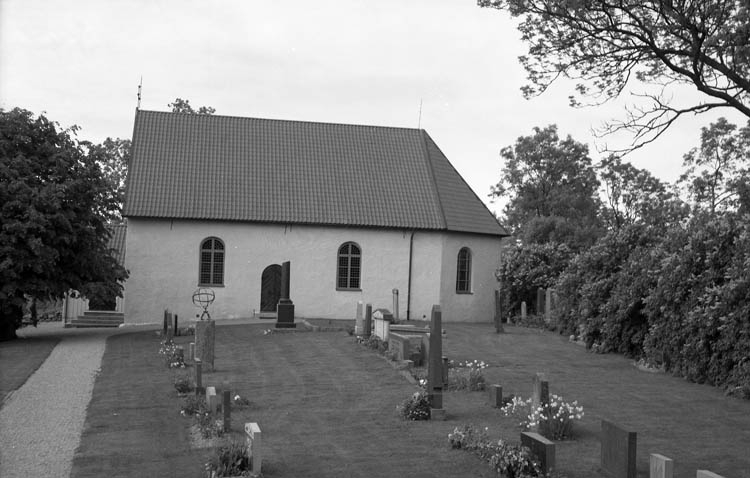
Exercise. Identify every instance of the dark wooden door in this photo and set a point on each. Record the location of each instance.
(270, 288)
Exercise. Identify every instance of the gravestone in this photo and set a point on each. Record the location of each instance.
(660, 466)
(395, 304)
(539, 302)
(198, 376)
(285, 307)
(435, 371)
(192, 351)
(543, 448)
(540, 398)
(227, 408)
(368, 321)
(254, 446)
(212, 401)
(618, 451)
(548, 306)
(166, 324)
(359, 323)
(175, 329)
(496, 396)
(382, 319)
(205, 337)
(523, 311)
(706, 474)
(406, 347)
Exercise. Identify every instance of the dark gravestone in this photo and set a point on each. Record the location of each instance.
(435, 372)
(540, 302)
(285, 307)
(618, 451)
(227, 409)
(166, 324)
(542, 448)
(368, 321)
(540, 398)
(496, 396)
(174, 328)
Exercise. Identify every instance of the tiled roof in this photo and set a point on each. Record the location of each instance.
(117, 241)
(259, 170)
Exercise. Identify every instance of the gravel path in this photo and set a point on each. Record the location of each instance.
(41, 423)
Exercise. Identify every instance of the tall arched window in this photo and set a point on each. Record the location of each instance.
(463, 271)
(349, 267)
(211, 262)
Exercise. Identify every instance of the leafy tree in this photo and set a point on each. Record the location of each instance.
(113, 157)
(54, 206)
(634, 196)
(183, 106)
(550, 183)
(605, 44)
(717, 172)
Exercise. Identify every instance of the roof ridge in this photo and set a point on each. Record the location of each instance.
(323, 123)
(428, 160)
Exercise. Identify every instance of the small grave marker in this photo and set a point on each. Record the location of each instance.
(368, 321)
(254, 446)
(205, 338)
(359, 323)
(395, 303)
(174, 328)
(285, 307)
(539, 301)
(548, 306)
(166, 324)
(198, 376)
(523, 311)
(496, 396)
(543, 448)
(227, 409)
(435, 372)
(660, 466)
(212, 401)
(192, 351)
(540, 398)
(618, 451)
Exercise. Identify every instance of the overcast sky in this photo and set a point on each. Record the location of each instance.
(360, 62)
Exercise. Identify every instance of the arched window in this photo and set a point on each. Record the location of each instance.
(463, 271)
(349, 267)
(211, 262)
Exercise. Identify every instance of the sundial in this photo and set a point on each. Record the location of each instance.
(203, 298)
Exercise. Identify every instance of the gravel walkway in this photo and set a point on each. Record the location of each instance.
(41, 423)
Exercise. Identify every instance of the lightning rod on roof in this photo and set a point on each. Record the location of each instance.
(139, 93)
(419, 123)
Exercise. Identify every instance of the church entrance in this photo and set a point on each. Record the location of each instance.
(270, 288)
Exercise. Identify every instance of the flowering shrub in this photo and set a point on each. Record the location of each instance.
(374, 342)
(467, 376)
(173, 355)
(183, 384)
(514, 461)
(230, 460)
(193, 405)
(417, 407)
(209, 426)
(557, 415)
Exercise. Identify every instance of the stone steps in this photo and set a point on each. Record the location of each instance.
(97, 318)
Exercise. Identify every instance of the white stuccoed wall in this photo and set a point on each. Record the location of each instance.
(163, 262)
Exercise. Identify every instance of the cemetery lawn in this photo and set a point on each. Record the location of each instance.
(20, 358)
(327, 407)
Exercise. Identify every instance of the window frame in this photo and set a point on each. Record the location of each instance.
(463, 286)
(348, 277)
(213, 261)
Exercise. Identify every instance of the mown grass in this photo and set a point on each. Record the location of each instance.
(19, 359)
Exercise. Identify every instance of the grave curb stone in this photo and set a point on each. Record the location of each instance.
(618, 454)
(543, 448)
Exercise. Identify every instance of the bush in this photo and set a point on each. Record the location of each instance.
(193, 405)
(183, 384)
(558, 415)
(513, 461)
(230, 460)
(417, 407)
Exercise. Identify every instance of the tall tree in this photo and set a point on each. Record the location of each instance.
(718, 171)
(549, 183)
(183, 106)
(54, 206)
(635, 196)
(113, 157)
(604, 44)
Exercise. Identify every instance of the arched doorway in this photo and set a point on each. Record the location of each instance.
(270, 288)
